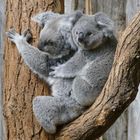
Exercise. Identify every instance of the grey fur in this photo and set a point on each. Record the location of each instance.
(80, 78)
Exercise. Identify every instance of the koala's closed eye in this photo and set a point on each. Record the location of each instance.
(89, 33)
(50, 43)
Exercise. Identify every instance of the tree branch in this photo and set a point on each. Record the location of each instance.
(119, 91)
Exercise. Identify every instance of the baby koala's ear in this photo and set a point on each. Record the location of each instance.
(105, 24)
(103, 20)
(44, 18)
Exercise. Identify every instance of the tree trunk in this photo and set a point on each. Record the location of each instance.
(20, 85)
(119, 91)
(2, 10)
(134, 109)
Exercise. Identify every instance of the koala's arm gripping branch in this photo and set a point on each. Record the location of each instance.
(119, 91)
(33, 57)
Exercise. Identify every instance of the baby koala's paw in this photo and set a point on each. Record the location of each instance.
(57, 71)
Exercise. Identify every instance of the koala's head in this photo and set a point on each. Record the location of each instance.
(56, 31)
(92, 30)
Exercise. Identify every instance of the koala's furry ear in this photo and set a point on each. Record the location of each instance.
(103, 20)
(105, 24)
(75, 16)
(44, 18)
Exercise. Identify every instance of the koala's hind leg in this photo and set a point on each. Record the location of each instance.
(46, 112)
(33, 57)
(51, 111)
(43, 114)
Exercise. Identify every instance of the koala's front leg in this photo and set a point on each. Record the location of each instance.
(71, 68)
(63, 71)
(34, 58)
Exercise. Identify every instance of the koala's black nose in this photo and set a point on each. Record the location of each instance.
(81, 37)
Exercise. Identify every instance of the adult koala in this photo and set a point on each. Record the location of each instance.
(55, 46)
(92, 36)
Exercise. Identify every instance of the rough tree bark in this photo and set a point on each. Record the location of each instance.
(20, 85)
(2, 10)
(119, 91)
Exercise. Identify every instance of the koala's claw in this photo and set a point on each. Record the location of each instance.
(58, 64)
(53, 72)
(53, 68)
(56, 71)
(11, 33)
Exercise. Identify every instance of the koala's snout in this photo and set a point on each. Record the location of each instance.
(80, 36)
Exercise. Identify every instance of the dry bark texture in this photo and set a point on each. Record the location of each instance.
(2, 17)
(20, 85)
(119, 91)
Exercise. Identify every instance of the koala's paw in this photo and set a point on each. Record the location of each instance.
(13, 36)
(57, 71)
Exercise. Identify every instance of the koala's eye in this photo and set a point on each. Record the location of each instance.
(50, 43)
(89, 33)
(100, 27)
(76, 32)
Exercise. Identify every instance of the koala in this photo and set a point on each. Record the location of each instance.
(91, 64)
(54, 43)
(78, 80)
